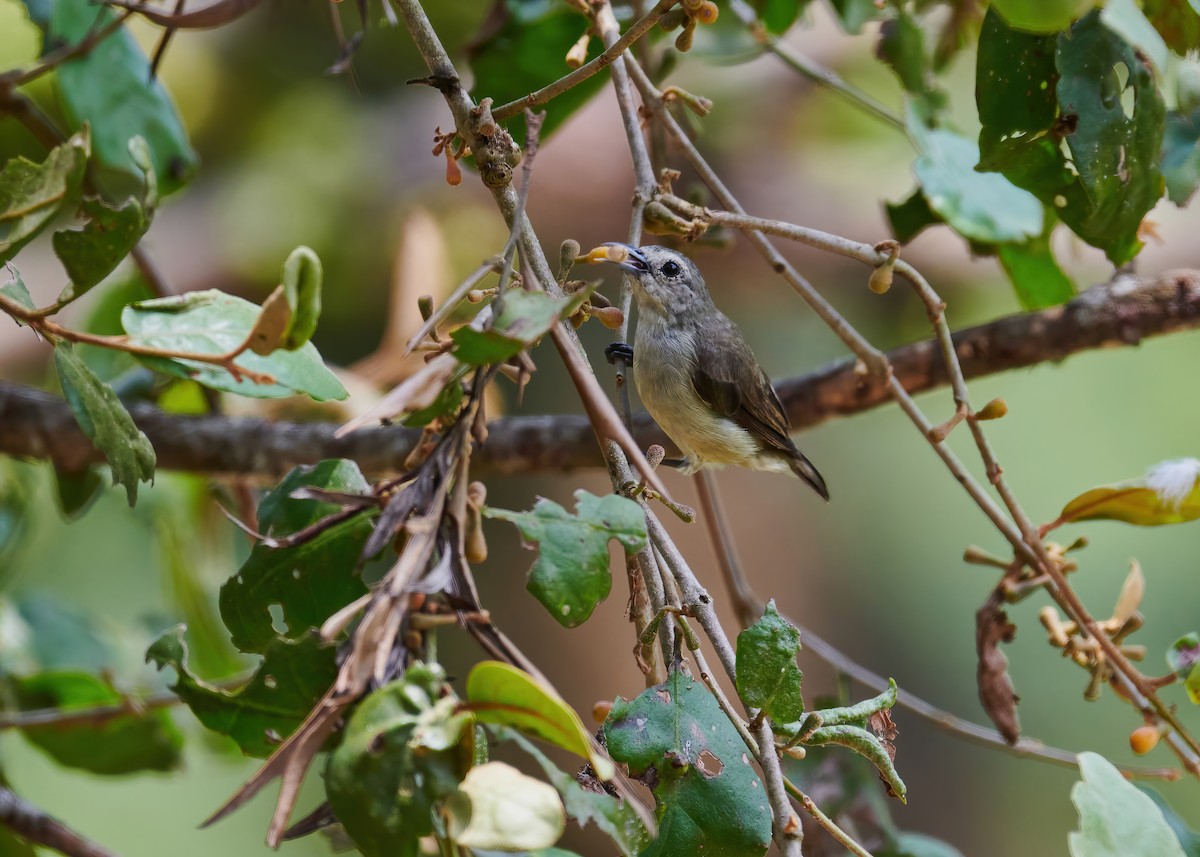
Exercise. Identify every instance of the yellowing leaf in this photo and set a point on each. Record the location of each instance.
(1167, 494)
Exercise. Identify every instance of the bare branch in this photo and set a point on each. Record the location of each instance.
(35, 424)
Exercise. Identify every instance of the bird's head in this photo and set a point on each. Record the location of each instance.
(666, 281)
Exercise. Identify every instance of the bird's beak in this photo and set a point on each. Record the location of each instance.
(625, 256)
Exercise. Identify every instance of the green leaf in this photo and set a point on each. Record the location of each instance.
(259, 715)
(920, 845)
(1184, 659)
(498, 807)
(92, 253)
(1167, 494)
(521, 47)
(104, 419)
(1114, 154)
(979, 206)
(1015, 92)
(1028, 108)
(15, 289)
(614, 817)
(1177, 21)
(76, 492)
(778, 15)
(571, 576)
(524, 318)
(59, 637)
(13, 846)
(31, 195)
(307, 582)
(302, 277)
(902, 47)
(1188, 838)
(1115, 819)
(675, 737)
(213, 323)
(767, 675)
(1127, 20)
(1035, 274)
(499, 693)
(1042, 16)
(909, 218)
(111, 89)
(855, 14)
(383, 786)
(120, 745)
(1181, 155)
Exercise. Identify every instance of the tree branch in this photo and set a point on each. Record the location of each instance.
(34, 424)
(29, 822)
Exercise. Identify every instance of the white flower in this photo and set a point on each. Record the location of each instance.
(1174, 480)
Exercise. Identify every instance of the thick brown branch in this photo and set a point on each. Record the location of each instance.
(29, 822)
(35, 424)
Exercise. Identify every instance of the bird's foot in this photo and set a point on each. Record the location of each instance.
(619, 349)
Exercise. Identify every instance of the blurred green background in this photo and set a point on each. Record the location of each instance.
(291, 156)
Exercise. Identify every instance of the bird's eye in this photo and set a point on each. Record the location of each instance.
(671, 269)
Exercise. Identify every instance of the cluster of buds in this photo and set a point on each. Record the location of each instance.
(596, 305)
(1084, 649)
(689, 13)
(443, 144)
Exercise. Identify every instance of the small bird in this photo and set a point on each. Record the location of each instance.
(695, 373)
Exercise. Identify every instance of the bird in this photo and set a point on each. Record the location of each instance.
(696, 374)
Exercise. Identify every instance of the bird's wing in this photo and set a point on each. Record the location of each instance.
(729, 380)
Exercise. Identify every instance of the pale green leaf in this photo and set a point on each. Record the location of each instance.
(214, 323)
(31, 195)
(1167, 494)
(499, 807)
(1115, 819)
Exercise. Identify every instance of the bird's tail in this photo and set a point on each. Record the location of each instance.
(803, 468)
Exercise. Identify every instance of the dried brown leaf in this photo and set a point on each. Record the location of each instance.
(996, 691)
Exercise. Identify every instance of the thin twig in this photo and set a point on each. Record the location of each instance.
(579, 75)
(830, 826)
(809, 69)
(57, 57)
(1019, 531)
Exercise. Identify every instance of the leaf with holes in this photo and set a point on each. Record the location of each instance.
(307, 582)
(108, 235)
(614, 817)
(571, 575)
(1076, 88)
(1115, 819)
(105, 421)
(382, 783)
(214, 323)
(145, 741)
(499, 693)
(31, 195)
(767, 675)
(111, 89)
(1168, 494)
(259, 715)
(675, 738)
